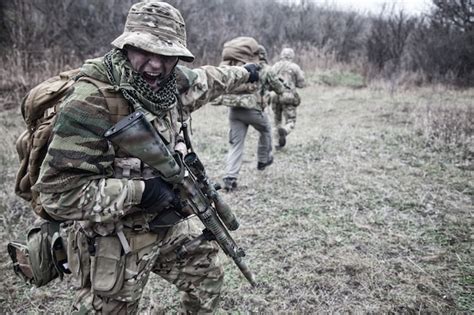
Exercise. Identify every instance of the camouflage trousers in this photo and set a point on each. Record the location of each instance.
(286, 112)
(240, 119)
(108, 281)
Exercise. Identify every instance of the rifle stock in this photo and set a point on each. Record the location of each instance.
(135, 135)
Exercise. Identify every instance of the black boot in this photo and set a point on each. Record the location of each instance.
(230, 183)
(261, 166)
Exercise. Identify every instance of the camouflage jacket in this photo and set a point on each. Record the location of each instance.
(290, 72)
(250, 95)
(78, 178)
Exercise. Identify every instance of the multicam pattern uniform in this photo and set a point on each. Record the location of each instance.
(87, 180)
(293, 76)
(247, 108)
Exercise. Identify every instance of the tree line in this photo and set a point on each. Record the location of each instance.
(439, 45)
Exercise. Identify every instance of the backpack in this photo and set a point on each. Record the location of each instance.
(39, 108)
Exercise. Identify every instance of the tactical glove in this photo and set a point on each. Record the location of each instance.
(253, 69)
(157, 196)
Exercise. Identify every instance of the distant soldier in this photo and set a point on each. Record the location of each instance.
(263, 61)
(247, 107)
(285, 104)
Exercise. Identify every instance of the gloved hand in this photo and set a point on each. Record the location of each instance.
(157, 196)
(253, 69)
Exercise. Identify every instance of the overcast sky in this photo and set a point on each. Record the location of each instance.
(374, 6)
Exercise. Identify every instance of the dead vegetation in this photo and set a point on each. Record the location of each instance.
(368, 209)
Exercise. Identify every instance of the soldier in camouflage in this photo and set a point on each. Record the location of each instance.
(109, 197)
(285, 105)
(246, 107)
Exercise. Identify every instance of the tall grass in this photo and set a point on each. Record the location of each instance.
(449, 127)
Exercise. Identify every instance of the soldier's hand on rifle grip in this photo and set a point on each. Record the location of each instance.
(253, 69)
(157, 196)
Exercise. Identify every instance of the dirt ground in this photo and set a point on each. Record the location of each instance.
(368, 209)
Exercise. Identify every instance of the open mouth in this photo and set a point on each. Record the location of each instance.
(152, 78)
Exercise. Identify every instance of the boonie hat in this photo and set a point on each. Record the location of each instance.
(156, 27)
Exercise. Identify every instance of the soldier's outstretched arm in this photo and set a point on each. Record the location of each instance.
(202, 85)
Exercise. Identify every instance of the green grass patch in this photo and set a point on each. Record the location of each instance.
(344, 78)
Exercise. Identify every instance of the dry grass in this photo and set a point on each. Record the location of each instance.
(368, 210)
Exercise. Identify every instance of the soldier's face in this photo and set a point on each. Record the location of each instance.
(155, 69)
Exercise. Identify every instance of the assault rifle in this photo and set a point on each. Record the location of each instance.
(198, 195)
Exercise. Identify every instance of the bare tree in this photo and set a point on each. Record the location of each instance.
(442, 46)
(388, 38)
(458, 13)
(40, 32)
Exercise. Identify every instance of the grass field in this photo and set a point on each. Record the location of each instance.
(369, 208)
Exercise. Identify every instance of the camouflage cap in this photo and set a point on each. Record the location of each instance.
(287, 53)
(156, 27)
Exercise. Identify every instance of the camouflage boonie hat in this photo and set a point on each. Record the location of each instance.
(156, 27)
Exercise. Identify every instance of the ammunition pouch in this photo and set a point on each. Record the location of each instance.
(107, 266)
(42, 257)
(116, 274)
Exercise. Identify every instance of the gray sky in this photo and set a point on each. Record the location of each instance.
(374, 6)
